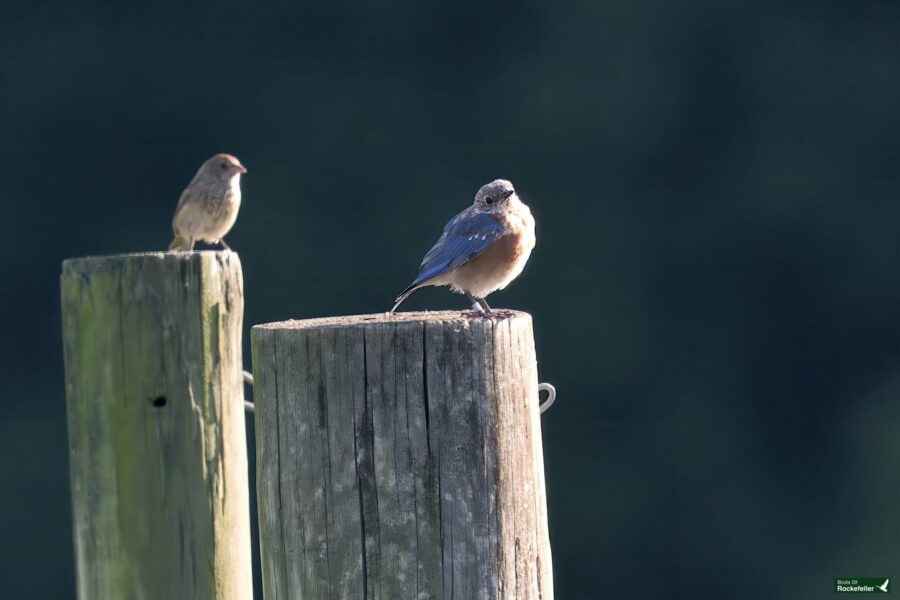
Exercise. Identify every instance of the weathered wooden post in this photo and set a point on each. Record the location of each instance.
(156, 426)
(400, 457)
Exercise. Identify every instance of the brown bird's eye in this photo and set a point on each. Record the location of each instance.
(489, 200)
(224, 166)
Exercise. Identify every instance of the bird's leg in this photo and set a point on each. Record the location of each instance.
(224, 245)
(476, 306)
(191, 244)
(484, 305)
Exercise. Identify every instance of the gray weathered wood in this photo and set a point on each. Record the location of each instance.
(400, 457)
(156, 426)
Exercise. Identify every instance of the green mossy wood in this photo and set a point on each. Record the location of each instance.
(156, 426)
(400, 457)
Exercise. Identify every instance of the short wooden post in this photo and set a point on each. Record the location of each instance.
(400, 457)
(156, 426)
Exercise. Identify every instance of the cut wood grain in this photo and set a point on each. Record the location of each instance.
(156, 426)
(400, 457)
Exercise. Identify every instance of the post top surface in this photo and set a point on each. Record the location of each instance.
(386, 318)
(87, 262)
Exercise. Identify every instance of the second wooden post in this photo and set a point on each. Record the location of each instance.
(157, 444)
(400, 457)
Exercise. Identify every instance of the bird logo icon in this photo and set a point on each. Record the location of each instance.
(884, 586)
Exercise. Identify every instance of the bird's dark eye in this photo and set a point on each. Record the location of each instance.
(224, 166)
(489, 200)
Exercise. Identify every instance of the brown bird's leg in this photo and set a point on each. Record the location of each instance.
(484, 305)
(224, 245)
(191, 244)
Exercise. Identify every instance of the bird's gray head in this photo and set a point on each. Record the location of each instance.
(494, 196)
(222, 167)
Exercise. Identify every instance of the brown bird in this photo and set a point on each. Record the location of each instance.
(209, 205)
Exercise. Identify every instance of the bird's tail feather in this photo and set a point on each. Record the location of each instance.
(403, 296)
(179, 243)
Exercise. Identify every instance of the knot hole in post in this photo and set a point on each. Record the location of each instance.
(159, 401)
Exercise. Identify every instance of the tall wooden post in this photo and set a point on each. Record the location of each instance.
(400, 457)
(156, 426)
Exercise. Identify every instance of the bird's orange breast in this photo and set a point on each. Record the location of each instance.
(495, 267)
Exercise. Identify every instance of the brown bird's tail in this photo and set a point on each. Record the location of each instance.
(179, 243)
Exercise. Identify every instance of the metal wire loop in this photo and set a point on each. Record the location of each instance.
(248, 379)
(551, 396)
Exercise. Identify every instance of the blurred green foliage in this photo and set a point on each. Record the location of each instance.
(715, 288)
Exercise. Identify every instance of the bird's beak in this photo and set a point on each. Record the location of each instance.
(241, 169)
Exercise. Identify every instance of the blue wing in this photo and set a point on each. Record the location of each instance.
(465, 237)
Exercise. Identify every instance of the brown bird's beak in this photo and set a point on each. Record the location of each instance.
(241, 169)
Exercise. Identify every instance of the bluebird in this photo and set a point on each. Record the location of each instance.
(482, 249)
(209, 205)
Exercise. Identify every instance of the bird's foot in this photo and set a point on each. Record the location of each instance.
(479, 312)
(479, 306)
(473, 301)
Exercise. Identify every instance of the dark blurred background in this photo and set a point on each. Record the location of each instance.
(715, 289)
